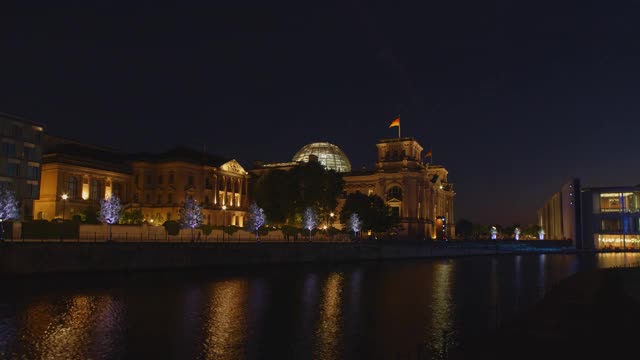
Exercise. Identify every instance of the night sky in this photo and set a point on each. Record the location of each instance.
(513, 98)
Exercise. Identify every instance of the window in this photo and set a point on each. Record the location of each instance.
(171, 178)
(159, 179)
(30, 153)
(33, 172)
(388, 155)
(170, 198)
(136, 179)
(148, 179)
(159, 200)
(17, 131)
(13, 169)
(37, 136)
(116, 189)
(395, 155)
(9, 149)
(395, 192)
(395, 211)
(148, 198)
(404, 154)
(610, 225)
(34, 190)
(136, 197)
(72, 186)
(206, 200)
(190, 179)
(94, 189)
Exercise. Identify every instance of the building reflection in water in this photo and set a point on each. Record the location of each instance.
(441, 337)
(226, 320)
(542, 275)
(494, 295)
(518, 281)
(81, 327)
(329, 325)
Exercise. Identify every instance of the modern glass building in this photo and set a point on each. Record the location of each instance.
(328, 155)
(594, 218)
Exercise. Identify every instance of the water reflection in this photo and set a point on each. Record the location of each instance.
(442, 336)
(378, 310)
(80, 326)
(329, 325)
(225, 326)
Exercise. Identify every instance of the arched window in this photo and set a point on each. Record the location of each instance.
(94, 189)
(72, 186)
(395, 192)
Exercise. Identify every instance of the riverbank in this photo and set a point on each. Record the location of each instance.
(592, 314)
(57, 257)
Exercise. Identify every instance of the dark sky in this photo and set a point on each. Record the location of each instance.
(514, 98)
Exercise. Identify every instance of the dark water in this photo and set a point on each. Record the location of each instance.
(373, 310)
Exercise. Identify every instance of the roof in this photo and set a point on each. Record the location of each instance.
(181, 153)
(17, 118)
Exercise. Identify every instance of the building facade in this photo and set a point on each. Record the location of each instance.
(155, 184)
(594, 218)
(20, 162)
(611, 217)
(560, 217)
(418, 193)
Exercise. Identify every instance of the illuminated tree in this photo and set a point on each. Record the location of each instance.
(516, 233)
(110, 211)
(493, 232)
(190, 215)
(257, 218)
(310, 220)
(541, 234)
(8, 209)
(354, 223)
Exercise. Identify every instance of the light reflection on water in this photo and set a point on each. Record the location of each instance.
(373, 310)
(226, 320)
(441, 336)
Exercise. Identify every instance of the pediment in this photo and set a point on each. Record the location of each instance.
(233, 167)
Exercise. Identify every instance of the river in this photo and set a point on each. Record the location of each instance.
(369, 310)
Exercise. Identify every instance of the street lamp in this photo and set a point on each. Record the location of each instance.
(64, 203)
(224, 219)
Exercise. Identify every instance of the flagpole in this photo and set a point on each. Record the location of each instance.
(398, 131)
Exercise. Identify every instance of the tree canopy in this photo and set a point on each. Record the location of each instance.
(374, 214)
(284, 195)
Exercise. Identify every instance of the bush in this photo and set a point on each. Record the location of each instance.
(42, 229)
(206, 229)
(172, 227)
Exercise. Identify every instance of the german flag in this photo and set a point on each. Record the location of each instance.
(429, 154)
(395, 122)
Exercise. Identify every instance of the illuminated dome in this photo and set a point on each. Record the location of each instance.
(328, 155)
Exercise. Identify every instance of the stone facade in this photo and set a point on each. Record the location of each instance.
(418, 193)
(157, 184)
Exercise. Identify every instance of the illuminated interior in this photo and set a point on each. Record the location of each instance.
(620, 202)
(328, 155)
(618, 241)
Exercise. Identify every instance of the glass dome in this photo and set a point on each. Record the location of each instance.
(328, 155)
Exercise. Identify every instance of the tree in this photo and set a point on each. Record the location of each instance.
(190, 215)
(91, 215)
(464, 228)
(9, 209)
(310, 220)
(132, 217)
(110, 211)
(257, 218)
(516, 233)
(354, 223)
(172, 227)
(284, 195)
(372, 211)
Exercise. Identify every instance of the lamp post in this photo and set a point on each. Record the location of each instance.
(224, 219)
(64, 203)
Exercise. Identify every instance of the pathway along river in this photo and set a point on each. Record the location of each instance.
(372, 310)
